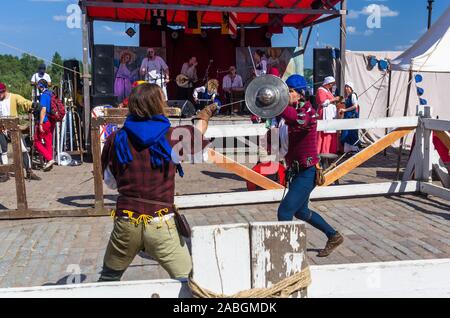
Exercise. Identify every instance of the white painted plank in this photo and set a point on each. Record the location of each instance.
(241, 130)
(410, 166)
(164, 288)
(419, 279)
(411, 279)
(278, 250)
(440, 169)
(434, 190)
(436, 124)
(428, 156)
(270, 196)
(389, 122)
(221, 258)
(222, 131)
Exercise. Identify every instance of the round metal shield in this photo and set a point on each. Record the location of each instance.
(65, 159)
(267, 96)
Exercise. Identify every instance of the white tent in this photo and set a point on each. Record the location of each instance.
(431, 52)
(430, 57)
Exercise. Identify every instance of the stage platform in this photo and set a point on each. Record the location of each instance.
(377, 228)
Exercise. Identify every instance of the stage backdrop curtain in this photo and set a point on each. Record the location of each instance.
(217, 47)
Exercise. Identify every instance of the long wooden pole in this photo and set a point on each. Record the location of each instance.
(405, 113)
(86, 78)
(343, 45)
(388, 103)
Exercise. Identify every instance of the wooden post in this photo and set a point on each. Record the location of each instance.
(98, 177)
(300, 37)
(428, 149)
(343, 45)
(278, 250)
(86, 76)
(221, 258)
(419, 152)
(16, 141)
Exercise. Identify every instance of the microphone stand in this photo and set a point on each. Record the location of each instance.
(206, 77)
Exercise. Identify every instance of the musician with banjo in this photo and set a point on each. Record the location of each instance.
(187, 79)
(155, 70)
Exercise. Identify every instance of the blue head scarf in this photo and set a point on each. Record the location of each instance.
(146, 133)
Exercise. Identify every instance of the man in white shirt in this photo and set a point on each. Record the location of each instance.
(155, 70)
(232, 85)
(232, 81)
(41, 74)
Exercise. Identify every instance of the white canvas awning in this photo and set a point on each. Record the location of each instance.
(431, 53)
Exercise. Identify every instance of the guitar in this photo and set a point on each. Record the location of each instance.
(154, 77)
(183, 81)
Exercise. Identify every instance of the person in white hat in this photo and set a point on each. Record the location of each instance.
(350, 138)
(326, 103)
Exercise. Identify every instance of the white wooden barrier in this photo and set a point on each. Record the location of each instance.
(431, 189)
(271, 196)
(405, 279)
(243, 130)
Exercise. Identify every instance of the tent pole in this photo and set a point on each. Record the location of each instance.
(388, 104)
(343, 44)
(405, 113)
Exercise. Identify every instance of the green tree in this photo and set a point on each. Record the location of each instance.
(56, 70)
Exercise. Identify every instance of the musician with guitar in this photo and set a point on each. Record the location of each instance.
(155, 70)
(187, 79)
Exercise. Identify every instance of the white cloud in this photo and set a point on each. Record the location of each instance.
(354, 31)
(352, 14)
(59, 18)
(47, 0)
(351, 30)
(107, 28)
(385, 11)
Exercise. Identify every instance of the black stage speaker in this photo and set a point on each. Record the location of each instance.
(187, 108)
(103, 73)
(69, 67)
(323, 65)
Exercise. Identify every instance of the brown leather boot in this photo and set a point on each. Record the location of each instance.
(332, 244)
(32, 176)
(4, 177)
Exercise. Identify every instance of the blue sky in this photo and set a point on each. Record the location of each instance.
(39, 27)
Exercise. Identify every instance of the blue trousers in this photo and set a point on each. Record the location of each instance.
(296, 202)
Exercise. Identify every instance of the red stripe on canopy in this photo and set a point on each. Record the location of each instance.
(138, 15)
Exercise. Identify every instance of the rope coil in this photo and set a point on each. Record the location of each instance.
(282, 289)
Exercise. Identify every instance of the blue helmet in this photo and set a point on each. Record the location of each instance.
(297, 82)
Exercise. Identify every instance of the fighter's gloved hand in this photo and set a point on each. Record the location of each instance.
(207, 112)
